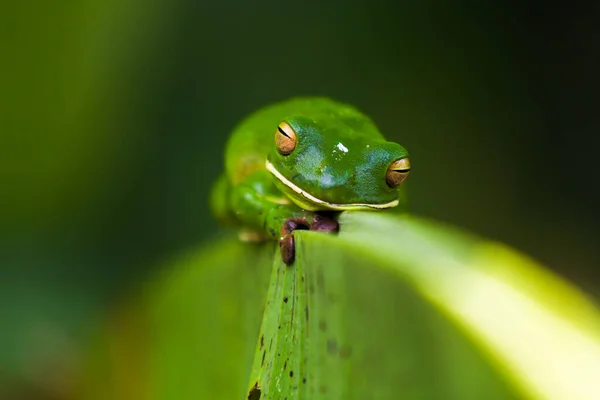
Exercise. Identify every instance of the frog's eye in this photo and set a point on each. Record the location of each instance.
(285, 139)
(397, 172)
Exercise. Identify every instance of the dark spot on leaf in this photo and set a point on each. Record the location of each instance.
(270, 344)
(332, 297)
(323, 389)
(332, 346)
(262, 363)
(311, 288)
(262, 341)
(291, 374)
(302, 278)
(285, 365)
(303, 380)
(285, 299)
(322, 325)
(306, 312)
(345, 351)
(255, 392)
(279, 327)
(272, 231)
(320, 279)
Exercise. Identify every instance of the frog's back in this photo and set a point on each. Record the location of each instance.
(252, 139)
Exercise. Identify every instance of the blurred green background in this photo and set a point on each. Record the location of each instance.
(114, 116)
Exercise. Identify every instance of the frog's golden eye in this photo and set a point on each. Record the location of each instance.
(397, 172)
(285, 139)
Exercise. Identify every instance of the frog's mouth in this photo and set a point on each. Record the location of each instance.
(326, 204)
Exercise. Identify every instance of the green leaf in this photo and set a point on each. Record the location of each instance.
(391, 307)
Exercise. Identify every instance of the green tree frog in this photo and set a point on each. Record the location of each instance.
(294, 164)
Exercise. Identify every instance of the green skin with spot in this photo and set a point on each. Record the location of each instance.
(340, 158)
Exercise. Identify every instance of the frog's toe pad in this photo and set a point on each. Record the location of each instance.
(324, 224)
(287, 246)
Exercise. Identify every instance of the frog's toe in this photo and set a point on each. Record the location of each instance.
(319, 223)
(292, 224)
(324, 224)
(287, 246)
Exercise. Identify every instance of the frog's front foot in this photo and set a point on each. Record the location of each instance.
(287, 243)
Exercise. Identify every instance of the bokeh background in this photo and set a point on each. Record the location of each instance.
(114, 116)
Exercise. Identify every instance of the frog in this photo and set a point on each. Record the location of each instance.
(298, 163)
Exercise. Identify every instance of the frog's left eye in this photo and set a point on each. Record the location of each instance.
(285, 139)
(397, 172)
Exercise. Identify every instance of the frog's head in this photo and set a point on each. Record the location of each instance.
(337, 162)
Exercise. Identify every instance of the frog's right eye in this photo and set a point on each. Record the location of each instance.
(398, 172)
(285, 139)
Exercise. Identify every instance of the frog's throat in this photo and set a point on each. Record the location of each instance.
(325, 204)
